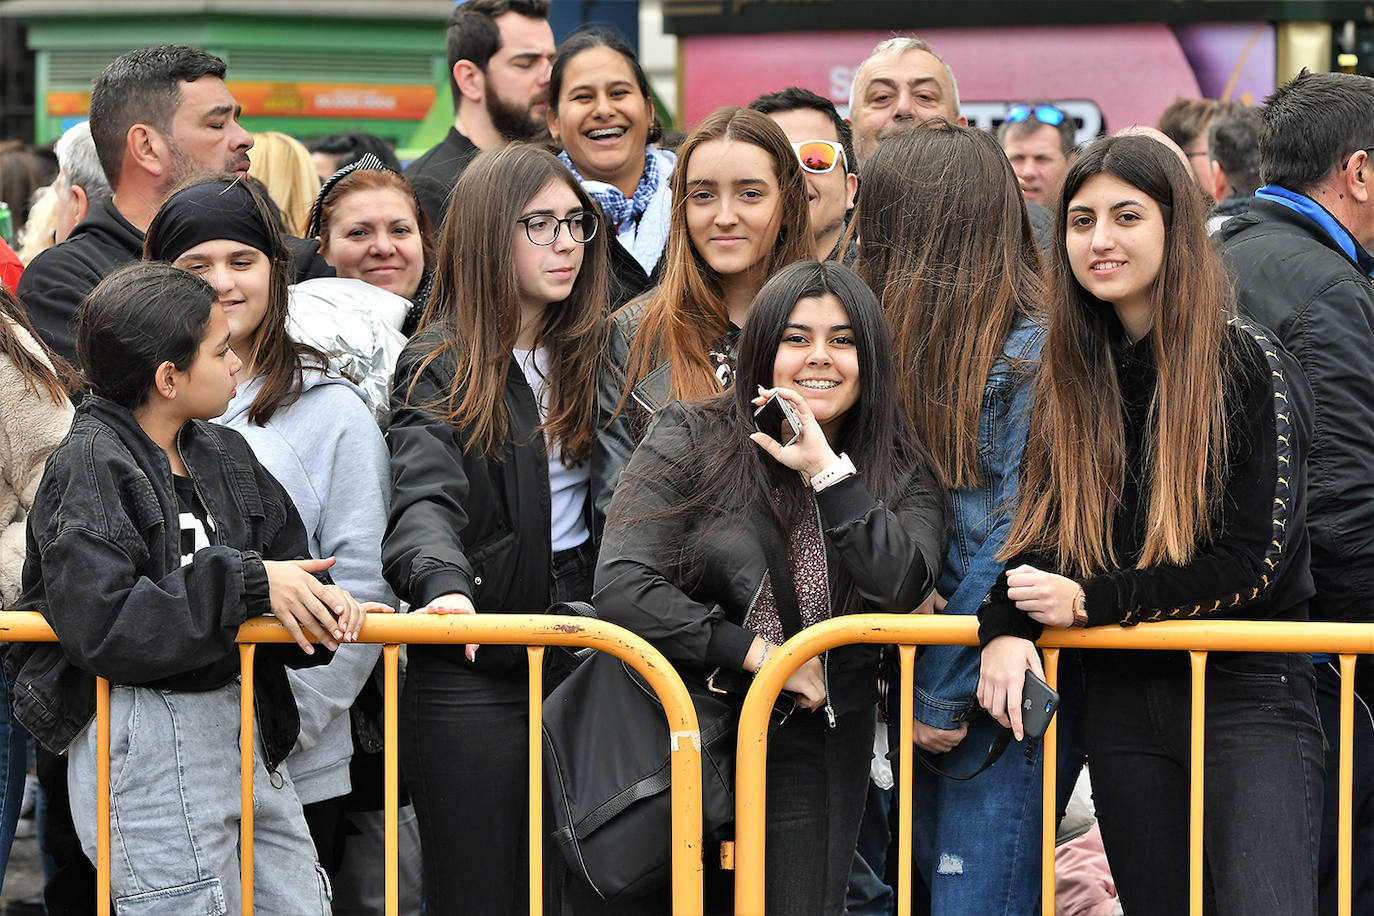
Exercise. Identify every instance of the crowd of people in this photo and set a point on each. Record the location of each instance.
(1045, 383)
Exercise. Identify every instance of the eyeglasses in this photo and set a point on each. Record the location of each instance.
(1045, 114)
(542, 229)
(819, 156)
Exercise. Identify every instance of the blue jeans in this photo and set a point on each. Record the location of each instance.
(13, 764)
(174, 810)
(1263, 780)
(977, 843)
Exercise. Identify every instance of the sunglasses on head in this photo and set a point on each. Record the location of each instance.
(818, 156)
(1045, 114)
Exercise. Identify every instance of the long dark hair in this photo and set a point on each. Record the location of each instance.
(42, 369)
(946, 243)
(738, 476)
(1075, 464)
(474, 312)
(140, 316)
(277, 359)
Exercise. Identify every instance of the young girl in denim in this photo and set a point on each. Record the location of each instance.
(153, 536)
(945, 236)
(1164, 477)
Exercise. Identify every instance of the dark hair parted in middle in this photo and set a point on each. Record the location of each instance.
(1075, 463)
(737, 474)
(687, 311)
(474, 310)
(205, 210)
(140, 316)
(946, 243)
(587, 39)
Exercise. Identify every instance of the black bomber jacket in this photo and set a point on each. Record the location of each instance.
(693, 612)
(103, 567)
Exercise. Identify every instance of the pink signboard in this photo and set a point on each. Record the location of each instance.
(1130, 72)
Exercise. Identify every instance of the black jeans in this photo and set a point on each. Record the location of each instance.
(1263, 781)
(817, 783)
(1362, 813)
(465, 754)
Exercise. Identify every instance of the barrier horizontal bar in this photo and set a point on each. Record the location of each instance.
(926, 629)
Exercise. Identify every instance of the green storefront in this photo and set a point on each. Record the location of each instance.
(303, 67)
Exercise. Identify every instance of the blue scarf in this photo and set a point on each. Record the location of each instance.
(617, 207)
(1301, 203)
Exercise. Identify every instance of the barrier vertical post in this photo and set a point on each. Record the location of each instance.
(246, 772)
(536, 755)
(1195, 780)
(391, 776)
(1345, 830)
(102, 796)
(1049, 801)
(905, 753)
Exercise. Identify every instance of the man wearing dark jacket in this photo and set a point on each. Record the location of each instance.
(500, 55)
(158, 117)
(1302, 267)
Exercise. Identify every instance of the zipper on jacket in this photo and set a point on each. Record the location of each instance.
(825, 656)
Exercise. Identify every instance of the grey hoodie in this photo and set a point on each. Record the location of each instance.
(328, 454)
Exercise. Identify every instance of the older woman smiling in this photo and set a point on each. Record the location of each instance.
(601, 112)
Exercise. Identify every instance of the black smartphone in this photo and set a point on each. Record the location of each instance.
(778, 420)
(1038, 703)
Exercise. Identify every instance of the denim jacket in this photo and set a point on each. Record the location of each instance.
(947, 676)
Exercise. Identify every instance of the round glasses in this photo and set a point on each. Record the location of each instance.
(542, 228)
(1045, 114)
(818, 156)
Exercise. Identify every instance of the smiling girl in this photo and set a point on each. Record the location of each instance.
(740, 215)
(851, 505)
(1164, 478)
(494, 480)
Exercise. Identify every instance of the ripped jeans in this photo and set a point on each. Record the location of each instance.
(976, 844)
(174, 804)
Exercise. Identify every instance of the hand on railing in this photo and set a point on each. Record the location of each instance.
(452, 603)
(1002, 676)
(310, 610)
(934, 604)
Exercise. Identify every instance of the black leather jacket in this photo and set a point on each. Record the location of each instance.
(461, 523)
(695, 615)
(104, 568)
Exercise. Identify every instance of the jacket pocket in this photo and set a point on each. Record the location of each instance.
(493, 567)
(200, 898)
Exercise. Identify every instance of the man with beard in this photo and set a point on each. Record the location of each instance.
(159, 116)
(500, 55)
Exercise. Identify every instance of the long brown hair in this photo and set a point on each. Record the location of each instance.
(946, 244)
(274, 356)
(1075, 464)
(474, 312)
(44, 369)
(687, 313)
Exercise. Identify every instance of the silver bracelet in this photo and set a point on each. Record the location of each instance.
(838, 470)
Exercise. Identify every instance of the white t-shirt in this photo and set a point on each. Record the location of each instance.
(568, 487)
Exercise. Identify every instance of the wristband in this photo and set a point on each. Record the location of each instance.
(841, 468)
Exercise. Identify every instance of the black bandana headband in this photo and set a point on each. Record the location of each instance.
(366, 162)
(219, 209)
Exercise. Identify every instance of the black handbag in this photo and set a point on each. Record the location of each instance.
(607, 767)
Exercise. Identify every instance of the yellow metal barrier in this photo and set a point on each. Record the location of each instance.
(534, 631)
(908, 631)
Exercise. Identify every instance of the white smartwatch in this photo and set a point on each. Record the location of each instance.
(841, 468)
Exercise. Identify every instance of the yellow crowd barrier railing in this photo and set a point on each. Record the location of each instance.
(1347, 640)
(534, 631)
